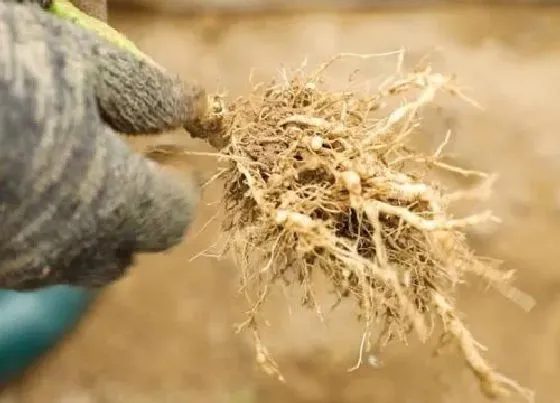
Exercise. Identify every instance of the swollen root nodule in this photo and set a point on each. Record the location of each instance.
(328, 181)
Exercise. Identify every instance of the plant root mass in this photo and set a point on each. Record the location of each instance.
(327, 182)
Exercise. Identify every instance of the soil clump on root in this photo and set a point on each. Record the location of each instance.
(328, 181)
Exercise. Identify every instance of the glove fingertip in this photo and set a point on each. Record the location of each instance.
(168, 211)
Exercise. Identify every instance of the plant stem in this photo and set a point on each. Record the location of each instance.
(66, 10)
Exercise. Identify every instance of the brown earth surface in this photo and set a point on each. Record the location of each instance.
(165, 333)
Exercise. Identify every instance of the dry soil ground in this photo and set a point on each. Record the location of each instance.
(164, 334)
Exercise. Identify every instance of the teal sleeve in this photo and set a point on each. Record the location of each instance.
(33, 322)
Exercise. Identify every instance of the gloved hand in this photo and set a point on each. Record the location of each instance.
(76, 203)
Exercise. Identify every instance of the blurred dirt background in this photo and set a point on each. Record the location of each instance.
(165, 334)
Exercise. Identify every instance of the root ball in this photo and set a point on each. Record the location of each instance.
(327, 181)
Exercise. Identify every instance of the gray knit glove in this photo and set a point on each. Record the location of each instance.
(76, 203)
